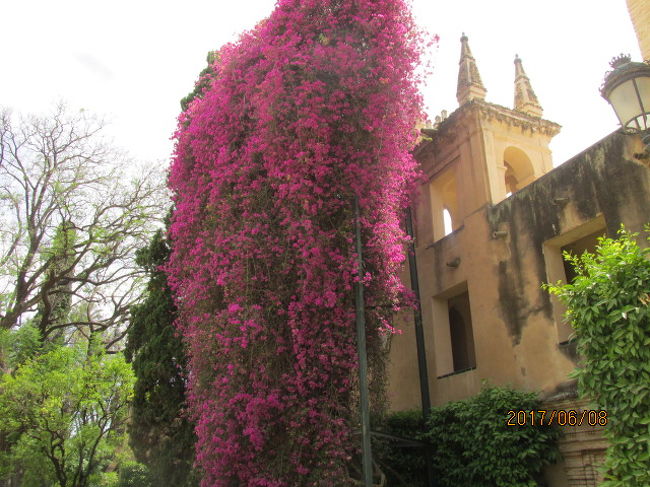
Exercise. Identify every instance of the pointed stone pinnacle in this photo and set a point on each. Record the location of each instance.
(525, 98)
(470, 86)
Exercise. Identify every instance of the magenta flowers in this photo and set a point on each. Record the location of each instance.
(317, 104)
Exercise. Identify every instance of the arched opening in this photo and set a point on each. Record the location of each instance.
(511, 180)
(519, 170)
(444, 204)
(446, 218)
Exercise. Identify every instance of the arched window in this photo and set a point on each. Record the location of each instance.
(444, 204)
(446, 217)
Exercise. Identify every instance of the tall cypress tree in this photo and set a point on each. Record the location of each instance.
(161, 436)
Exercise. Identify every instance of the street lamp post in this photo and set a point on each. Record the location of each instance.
(627, 89)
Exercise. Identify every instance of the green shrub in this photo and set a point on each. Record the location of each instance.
(474, 445)
(134, 474)
(471, 443)
(608, 307)
(105, 479)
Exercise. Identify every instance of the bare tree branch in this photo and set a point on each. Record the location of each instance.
(73, 213)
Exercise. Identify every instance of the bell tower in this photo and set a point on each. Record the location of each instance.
(482, 153)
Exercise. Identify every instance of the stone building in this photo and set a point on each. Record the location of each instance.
(491, 223)
(640, 14)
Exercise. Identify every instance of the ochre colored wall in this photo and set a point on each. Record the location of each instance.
(640, 14)
(517, 333)
(518, 328)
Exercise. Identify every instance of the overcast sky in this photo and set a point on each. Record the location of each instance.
(132, 60)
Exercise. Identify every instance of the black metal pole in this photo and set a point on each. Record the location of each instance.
(417, 314)
(363, 357)
(419, 341)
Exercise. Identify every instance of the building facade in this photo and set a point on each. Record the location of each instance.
(640, 14)
(492, 221)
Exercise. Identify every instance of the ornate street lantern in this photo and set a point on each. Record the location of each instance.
(627, 89)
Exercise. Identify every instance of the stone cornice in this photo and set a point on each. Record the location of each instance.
(516, 118)
(447, 129)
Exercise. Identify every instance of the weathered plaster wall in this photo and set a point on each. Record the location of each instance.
(516, 333)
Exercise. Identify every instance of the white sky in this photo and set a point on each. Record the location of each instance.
(133, 60)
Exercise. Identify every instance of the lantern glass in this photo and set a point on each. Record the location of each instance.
(631, 102)
(643, 85)
(625, 103)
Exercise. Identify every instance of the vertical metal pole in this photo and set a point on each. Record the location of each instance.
(417, 312)
(419, 342)
(363, 357)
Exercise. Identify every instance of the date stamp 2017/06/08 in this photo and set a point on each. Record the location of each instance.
(561, 417)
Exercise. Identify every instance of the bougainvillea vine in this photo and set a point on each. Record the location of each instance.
(314, 106)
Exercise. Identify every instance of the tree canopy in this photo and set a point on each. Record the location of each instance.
(71, 218)
(63, 413)
(73, 212)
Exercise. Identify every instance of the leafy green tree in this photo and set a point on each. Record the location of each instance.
(106, 479)
(21, 467)
(134, 474)
(608, 308)
(64, 412)
(71, 220)
(18, 346)
(161, 436)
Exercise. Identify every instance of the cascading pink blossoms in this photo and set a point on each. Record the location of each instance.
(317, 104)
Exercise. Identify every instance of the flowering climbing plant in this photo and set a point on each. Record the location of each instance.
(318, 104)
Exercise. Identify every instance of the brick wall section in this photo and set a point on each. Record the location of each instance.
(582, 447)
(640, 14)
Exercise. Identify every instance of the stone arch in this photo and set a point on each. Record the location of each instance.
(519, 169)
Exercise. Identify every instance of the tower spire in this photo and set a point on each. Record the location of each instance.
(525, 99)
(470, 86)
